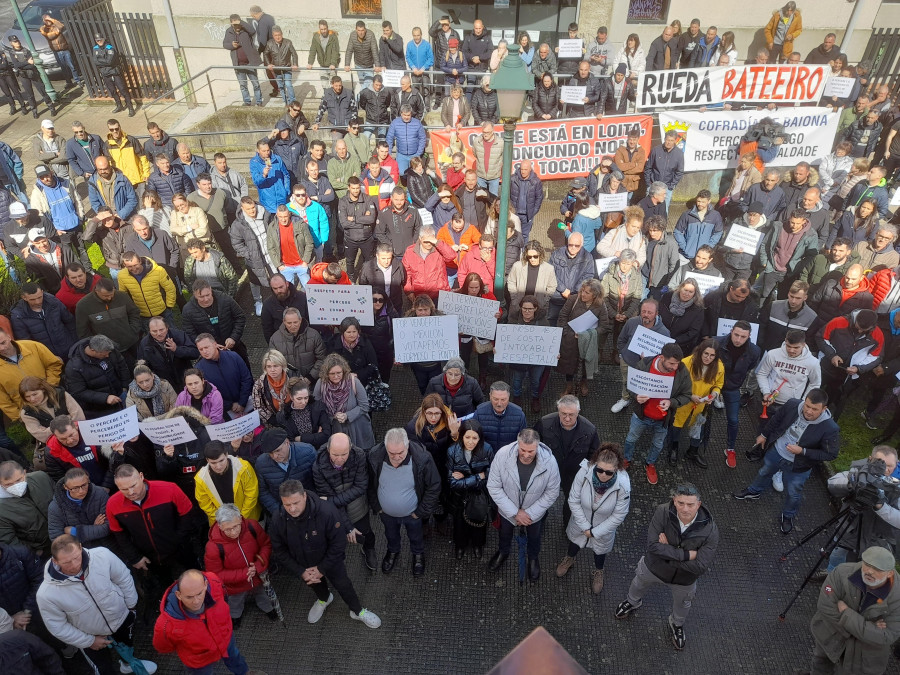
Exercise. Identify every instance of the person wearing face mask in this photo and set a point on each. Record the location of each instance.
(24, 499)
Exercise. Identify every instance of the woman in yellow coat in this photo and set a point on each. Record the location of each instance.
(707, 379)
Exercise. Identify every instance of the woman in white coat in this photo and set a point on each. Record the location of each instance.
(599, 499)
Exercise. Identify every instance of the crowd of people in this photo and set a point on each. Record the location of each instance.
(790, 329)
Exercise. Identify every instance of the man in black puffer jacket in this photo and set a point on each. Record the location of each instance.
(485, 106)
(21, 573)
(168, 352)
(681, 543)
(376, 102)
(41, 317)
(97, 376)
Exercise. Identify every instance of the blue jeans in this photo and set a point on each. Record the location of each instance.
(669, 194)
(244, 74)
(403, 163)
(838, 557)
(732, 401)
(364, 77)
(526, 226)
(793, 481)
(636, 430)
(298, 273)
(534, 375)
(413, 526)
(285, 84)
(493, 186)
(234, 662)
(64, 58)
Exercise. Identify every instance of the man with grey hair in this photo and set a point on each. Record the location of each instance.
(524, 483)
(425, 263)
(654, 203)
(879, 253)
(501, 421)
(769, 193)
(572, 438)
(97, 376)
(665, 164)
(404, 486)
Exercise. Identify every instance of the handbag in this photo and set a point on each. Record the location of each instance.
(476, 509)
(379, 395)
(482, 346)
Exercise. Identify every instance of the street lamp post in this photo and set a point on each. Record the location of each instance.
(26, 38)
(512, 82)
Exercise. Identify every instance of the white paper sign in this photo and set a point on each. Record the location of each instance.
(427, 218)
(724, 326)
(236, 428)
(648, 384)
(391, 78)
(426, 338)
(743, 237)
(534, 35)
(476, 316)
(531, 345)
(612, 202)
(646, 342)
(572, 94)
(584, 322)
(603, 265)
(570, 48)
(707, 283)
(841, 87)
(168, 432)
(116, 428)
(329, 304)
(895, 198)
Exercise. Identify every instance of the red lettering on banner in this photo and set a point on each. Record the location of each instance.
(754, 71)
(815, 79)
(778, 94)
(800, 83)
(727, 87)
(767, 82)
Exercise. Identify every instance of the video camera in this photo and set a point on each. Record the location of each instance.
(868, 485)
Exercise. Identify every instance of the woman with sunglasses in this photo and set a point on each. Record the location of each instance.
(599, 500)
(707, 379)
(532, 275)
(381, 334)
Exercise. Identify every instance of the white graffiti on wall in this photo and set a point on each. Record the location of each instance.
(216, 30)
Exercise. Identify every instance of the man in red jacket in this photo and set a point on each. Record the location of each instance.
(482, 261)
(328, 273)
(425, 263)
(194, 621)
(77, 283)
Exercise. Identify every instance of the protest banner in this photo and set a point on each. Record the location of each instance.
(391, 78)
(841, 87)
(565, 148)
(116, 428)
(724, 326)
(613, 202)
(711, 140)
(426, 338)
(329, 304)
(706, 283)
(233, 429)
(476, 316)
(697, 87)
(168, 432)
(530, 345)
(584, 322)
(570, 48)
(745, 238)
(603, 265)
(648, 384)
(646, 342)
(573, 95)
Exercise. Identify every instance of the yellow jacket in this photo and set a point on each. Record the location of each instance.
(129, 158)
(701, 389)
(244, 485)
(34, 359)
(153, 294)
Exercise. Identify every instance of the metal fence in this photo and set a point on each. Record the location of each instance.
(143, 65)
(883, 51)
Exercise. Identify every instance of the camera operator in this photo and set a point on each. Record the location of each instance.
(868, 480)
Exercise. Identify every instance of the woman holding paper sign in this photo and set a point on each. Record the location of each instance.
(614, 184)
(578, 351)
(346, 401)
(381, 334)
(356, 349)
(707, 379)
(149, 394)
(529, 314)
(474, 286)
(623, 289)
(681, 311)
(423, 371)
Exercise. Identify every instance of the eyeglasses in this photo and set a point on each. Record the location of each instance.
(83, 486)
(299, 194)
(113, 129)
(527, 308)
(604, 472)
(379, 301)
(529, 257)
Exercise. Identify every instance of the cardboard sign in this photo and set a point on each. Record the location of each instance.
(613, 202)
(570, 48)
(391, 78)
(840, 87)
(743, 237)
(529, 345)
(116, 428)
(724, 326)
(476, 316)
(584, 322)
(603, 265)
(329, 304)
(427, 218)
(648, 384)
(168, 432)
(426, 338)
(233, 429)
(646, 342)
(706, 283)
(573, 95)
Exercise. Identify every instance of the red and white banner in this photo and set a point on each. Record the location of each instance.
(697, 87)
(559, 149)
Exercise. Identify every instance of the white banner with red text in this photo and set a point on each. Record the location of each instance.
(697, 87)
(712, 140)
(559, 149)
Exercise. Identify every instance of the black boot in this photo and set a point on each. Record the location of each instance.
(34, 112)
(387, 563)
(673, 452)
(418, 565)
(119, 108)
(12, 108)
(24, 109)
(534, 569)
(52, 109)
(693, 454)
(497, 561)
(131, 111)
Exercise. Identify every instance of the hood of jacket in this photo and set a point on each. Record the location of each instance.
(191, 415)
(763, 221)
(812, 181)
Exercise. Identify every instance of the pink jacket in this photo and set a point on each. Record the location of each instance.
(212, 406)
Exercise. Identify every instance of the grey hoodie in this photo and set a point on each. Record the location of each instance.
(798, 374)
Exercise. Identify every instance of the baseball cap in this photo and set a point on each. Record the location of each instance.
(99, 36)
(41, 170)
(14, 38)
(879, 558)
(453, 42)
(47, 124)
(17, 210)
(578, 183)
(36, 233)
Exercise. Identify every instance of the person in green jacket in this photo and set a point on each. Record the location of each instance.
(23, 507)
(106, 311)
(210, 265)
(326, 49)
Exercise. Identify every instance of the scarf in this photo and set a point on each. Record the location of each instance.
(302, 419)
(601, 486)
(623, 286)
(677, 307)
(347, 346)
(277, 391)
(455, 388)
(153, 397)
(336, 396)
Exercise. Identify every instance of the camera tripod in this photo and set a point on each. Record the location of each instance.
(843, 520)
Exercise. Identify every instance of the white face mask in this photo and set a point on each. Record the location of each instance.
(18, 489)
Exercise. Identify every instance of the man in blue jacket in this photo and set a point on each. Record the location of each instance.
(270, 176)
(526, 194)
(665, 164)
(419, 58)
(227, 371)
(12, 171)
(168, 180)
(192, 165)
(873, 188)
(799, 436)
(282, 460)
(110, 188)
(702, 55)
(701, 225)
(82, 150)
(409, 134)
(500, 420)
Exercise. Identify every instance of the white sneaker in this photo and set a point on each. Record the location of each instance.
(257, 306)
(719, 403)
(778, 482)
(149, 666)
(367, 617)
(620, 405)
(318, 609)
